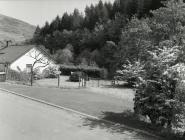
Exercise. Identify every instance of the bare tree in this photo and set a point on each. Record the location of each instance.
(39, 59)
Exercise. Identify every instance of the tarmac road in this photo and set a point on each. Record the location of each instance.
(24, 119)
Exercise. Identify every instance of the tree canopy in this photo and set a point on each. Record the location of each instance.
(101, 22)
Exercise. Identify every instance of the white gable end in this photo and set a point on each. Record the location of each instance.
(30, 58)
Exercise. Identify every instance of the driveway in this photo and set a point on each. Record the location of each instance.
(23, 119)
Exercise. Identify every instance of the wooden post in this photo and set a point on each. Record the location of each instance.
(31, 76)
(58, 80)
(85, 82)
(6, 71)
(82, 82)
(79, 81)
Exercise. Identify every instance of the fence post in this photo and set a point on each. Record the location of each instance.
(58, 80)
(98, 82)
(31, 76)
(79, 81)
(84, 82)
(6, 72)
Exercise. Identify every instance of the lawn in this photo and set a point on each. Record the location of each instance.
(65, 83)
(93, 101)
(113, 104)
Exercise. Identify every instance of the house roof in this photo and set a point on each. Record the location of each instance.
(12, 53)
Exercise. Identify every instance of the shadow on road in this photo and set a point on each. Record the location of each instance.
(127, 118)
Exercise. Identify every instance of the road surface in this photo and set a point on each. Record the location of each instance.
(23, 119)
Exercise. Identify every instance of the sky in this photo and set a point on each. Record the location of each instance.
(37, 12)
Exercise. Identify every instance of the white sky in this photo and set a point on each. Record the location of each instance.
(36, 12)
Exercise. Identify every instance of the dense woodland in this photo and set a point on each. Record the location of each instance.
(96, 37)
(142, 41)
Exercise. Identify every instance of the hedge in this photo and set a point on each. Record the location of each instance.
(91, 71)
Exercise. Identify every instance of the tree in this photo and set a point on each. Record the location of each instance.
(66, 22)
(96, 56)
(104, 22)
(64, 56)
(156, 55)
(39, 59)
(56, 24)
(39, 62)
(77, 20)
(131, 73)
(91, 18)
(46, 29)
(169, 21)
(109, 57)
(156, 96)
(37, 38)
(135, 40)
(85, 57)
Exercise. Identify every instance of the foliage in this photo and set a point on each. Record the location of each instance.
(64, 56)
(135, 40)
(49, 72)
(156, 96)
(143, 47)
(89, 70)
(155, 50)
(109, 57)
(161, 65)
(102, 22)
(168, 22)
(131, 72)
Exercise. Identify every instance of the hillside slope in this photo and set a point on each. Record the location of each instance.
(14, 29)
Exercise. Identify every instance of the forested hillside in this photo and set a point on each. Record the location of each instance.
(97, 37)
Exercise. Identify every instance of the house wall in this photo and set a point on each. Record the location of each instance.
(2, 68)
(28, 58)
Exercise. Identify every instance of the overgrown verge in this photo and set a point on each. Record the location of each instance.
(131, 119)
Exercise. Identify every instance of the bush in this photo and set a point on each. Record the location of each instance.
(157, 96)
(89, 70)
(49, 72)
(131, 73)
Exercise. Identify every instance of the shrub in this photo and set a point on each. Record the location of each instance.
(49, 72)
(157, 95)
(131, 73)
(89, 70)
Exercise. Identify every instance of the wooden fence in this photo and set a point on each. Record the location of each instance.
(20, 77)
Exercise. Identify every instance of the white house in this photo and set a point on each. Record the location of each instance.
(22, 57)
